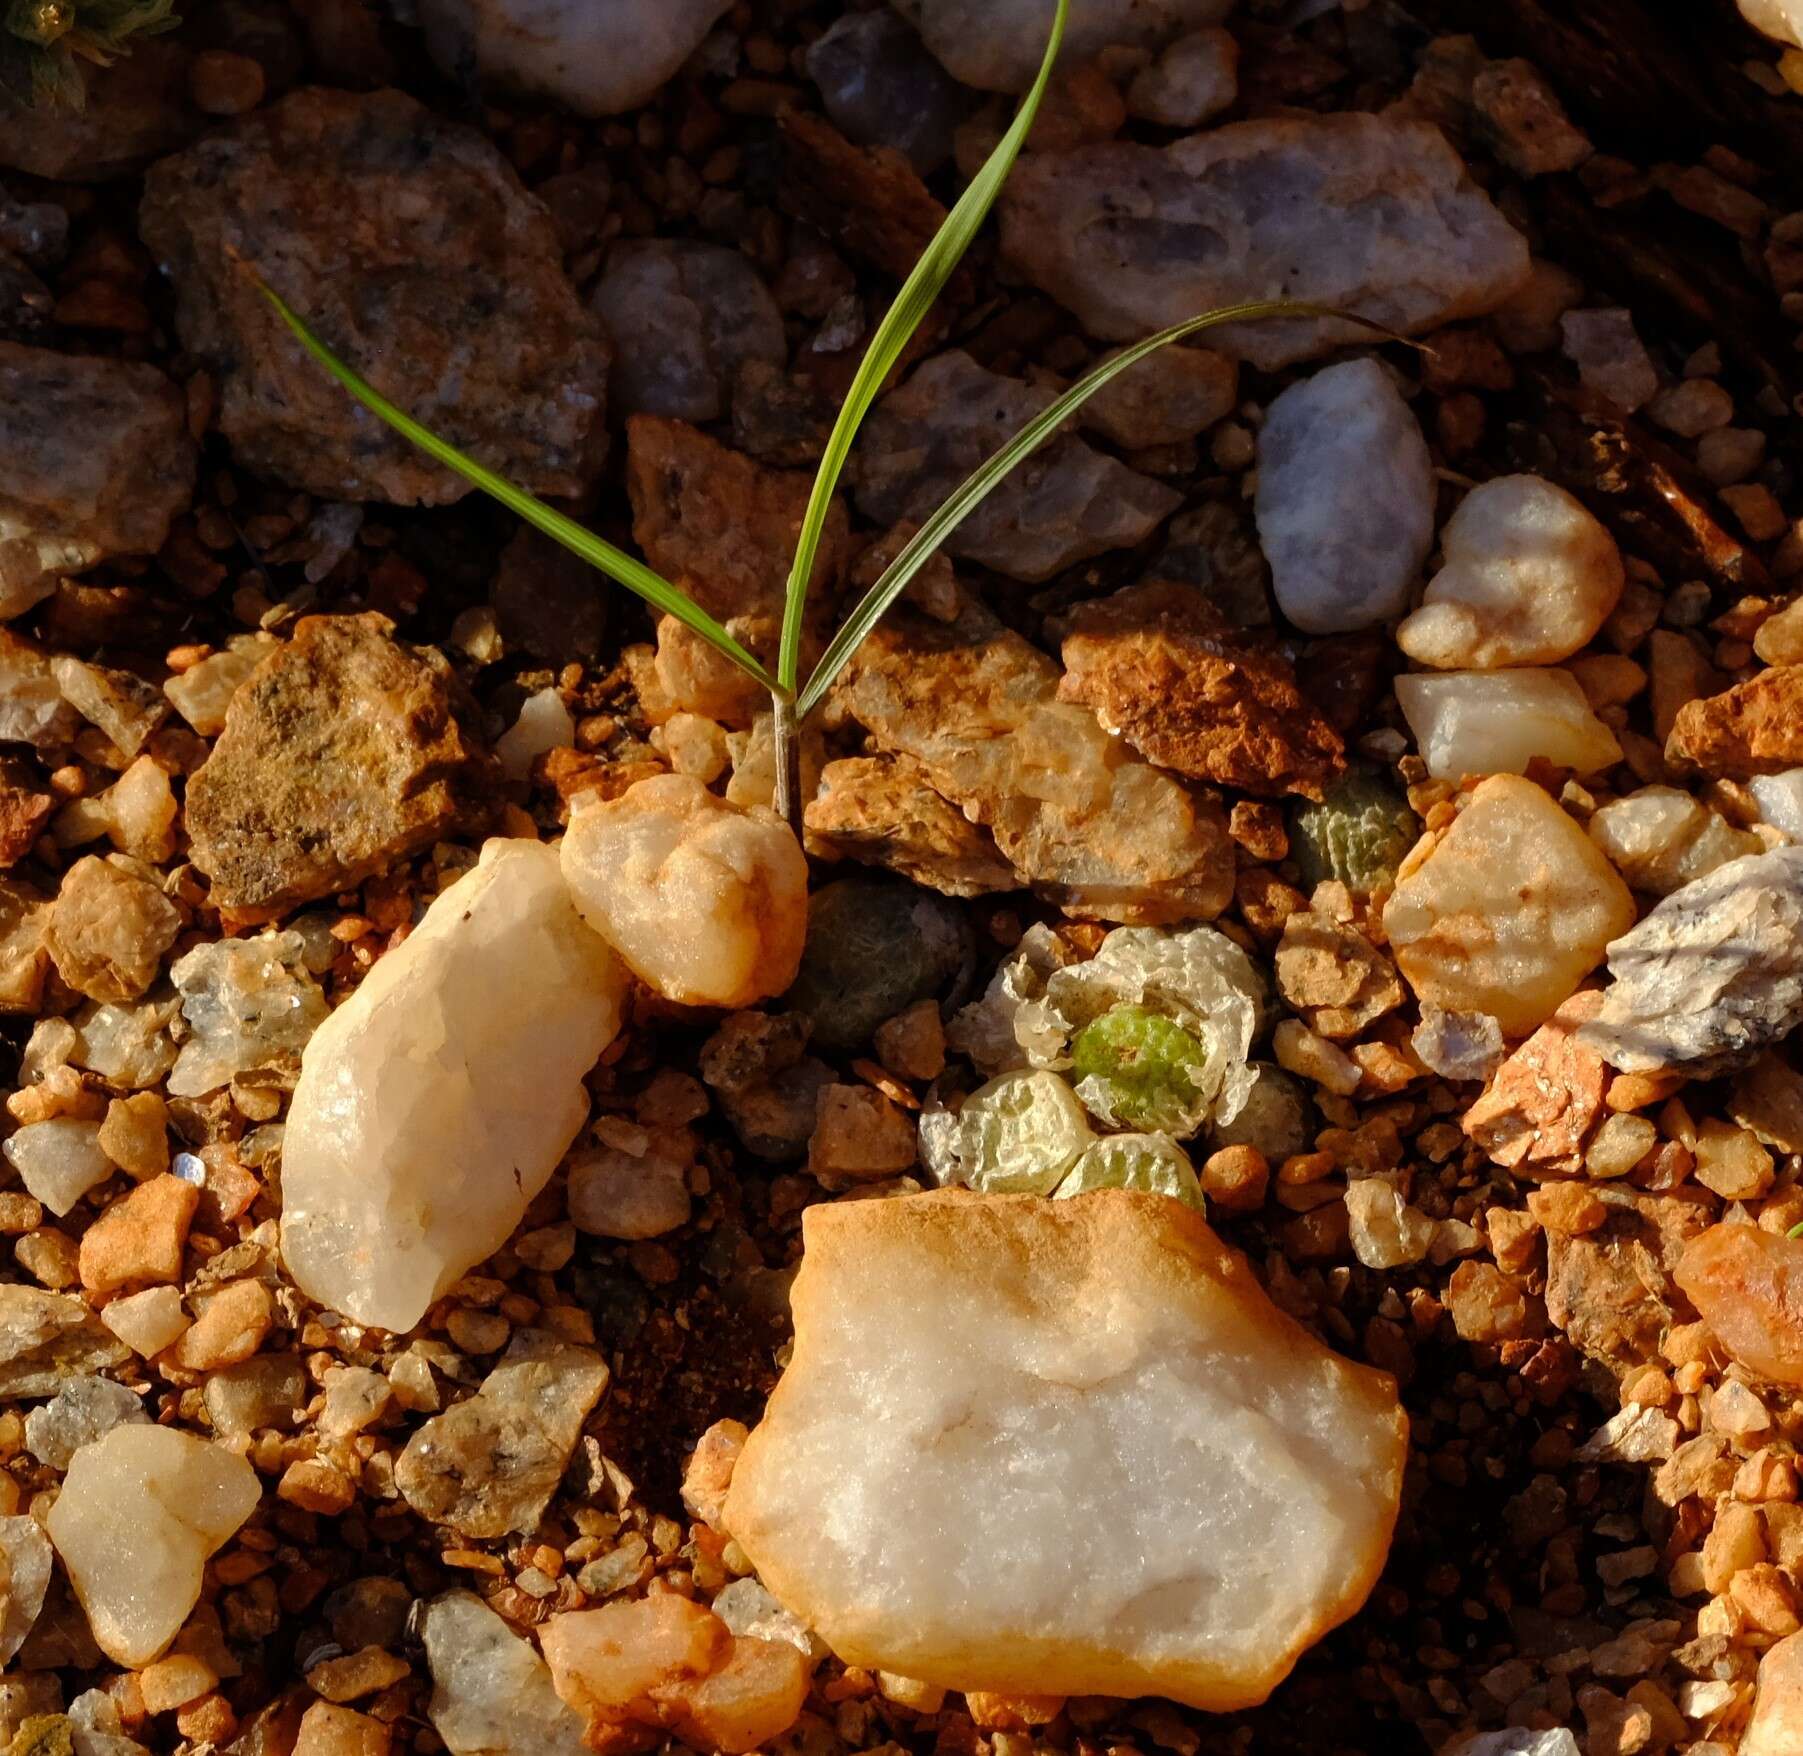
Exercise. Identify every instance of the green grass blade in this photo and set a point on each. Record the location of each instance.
(903, 317)
(987, 476)
(578, 539)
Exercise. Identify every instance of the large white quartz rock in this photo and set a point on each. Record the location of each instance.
(1345, 500)
(1371, 214)
(1529, 577)
(1062, 1447)
(140, 1511)
(998, 44)
(597, 57)
(1712, 975)
(1497, 722)
(1506, 910)
(433, 1105)
(1782, 19)
(706, 901)
(491, 1692)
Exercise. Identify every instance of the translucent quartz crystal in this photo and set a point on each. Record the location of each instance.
(1497, 722)
(1660, 838)
(434, 1104)
(1161, 1484)
(250, 1004)
(706, 902)
(1018, 1135)
(59, 1161)
(1747, 1285)
(1153, 1164)
(140, 1511)
(1529, 577)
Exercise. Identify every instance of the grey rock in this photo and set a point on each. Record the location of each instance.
(250, 1005)
(683, 317)
(1517, 1741)
(1195, 78)
(882, 88)
(491, 1692)
(1278, 1116)
(1712, 975)
(264, 1391)
(490, 1465)
(1458, 1045)
(47, 1339)
(1371, 214)
(997, 45)
(83, 1410)
(874, 947)
(1064, 504)
(1345, 501)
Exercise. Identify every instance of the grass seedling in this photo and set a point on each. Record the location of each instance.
(791, 699)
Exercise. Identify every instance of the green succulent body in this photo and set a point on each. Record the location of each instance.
(43, 44)
(1147, 1067)
(1359, 833)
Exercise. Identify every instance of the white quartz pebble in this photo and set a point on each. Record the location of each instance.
(706, 901)
(1345, 501)
(140, 1511)
(1497, 722)
(59, 1161)
(149, 1321)
(1529, 577)
(1073, 1442)
(543, 723)
(434, 1104)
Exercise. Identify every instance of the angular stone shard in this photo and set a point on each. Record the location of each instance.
(95, 459)
(1747, 1285)
(1712, 975)
(1498, 722)
(1753, 729)
(490, 1465)
(409, 244)
(1370, 214)
(1064, 504)
(434, 1104)
(140, 1511)
(48, 1338)
(1163, 1485)
(491, 1692)
(300, 799)
(1345, 498)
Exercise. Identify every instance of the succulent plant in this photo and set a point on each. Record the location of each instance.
(44, 43)
(1359, 833)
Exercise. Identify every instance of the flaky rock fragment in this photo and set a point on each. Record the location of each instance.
(300, 798)
(491, 1692)
(1164, 1486)
(140, 1511)
(1611, 1290)
(108, 929)
(881, 811)
(1528, 578)
(47, 1338)
(1159, 667)
(490, 1464)
(1370, 214)
(1345, 498)
(1507, 909)
(409, 244)
(1712, 975)
(1498, 722)
(95, 458)
(27, 1566)
(704, 901)
(1747, 1285)
(1064, 504)
(1545, 1098)
(1332, 975)
(596, 57)
(1755, 728)
(251, 1006)
(996, 45)
(32, 708)
(433, 1104)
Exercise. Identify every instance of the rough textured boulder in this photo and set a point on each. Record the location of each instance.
(409, 244)
(1163, 1486)
(301, 798)
(1373, 214)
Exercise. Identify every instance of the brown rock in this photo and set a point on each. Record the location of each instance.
(329, 1730)
(229, 1327)
(408, 242)
(1158, 665)
(95, 458)
(23, 814)
(1545, 1098)
(108, 929)
(869, 200)
(1176, 394)
(859, 1136)
(1334, 976)
(721, 526)
(880, 811)
(1611, 1290)
(138, 1240)
(134, 110)
(489, 1465)
(300, 798)
(1754, 728)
